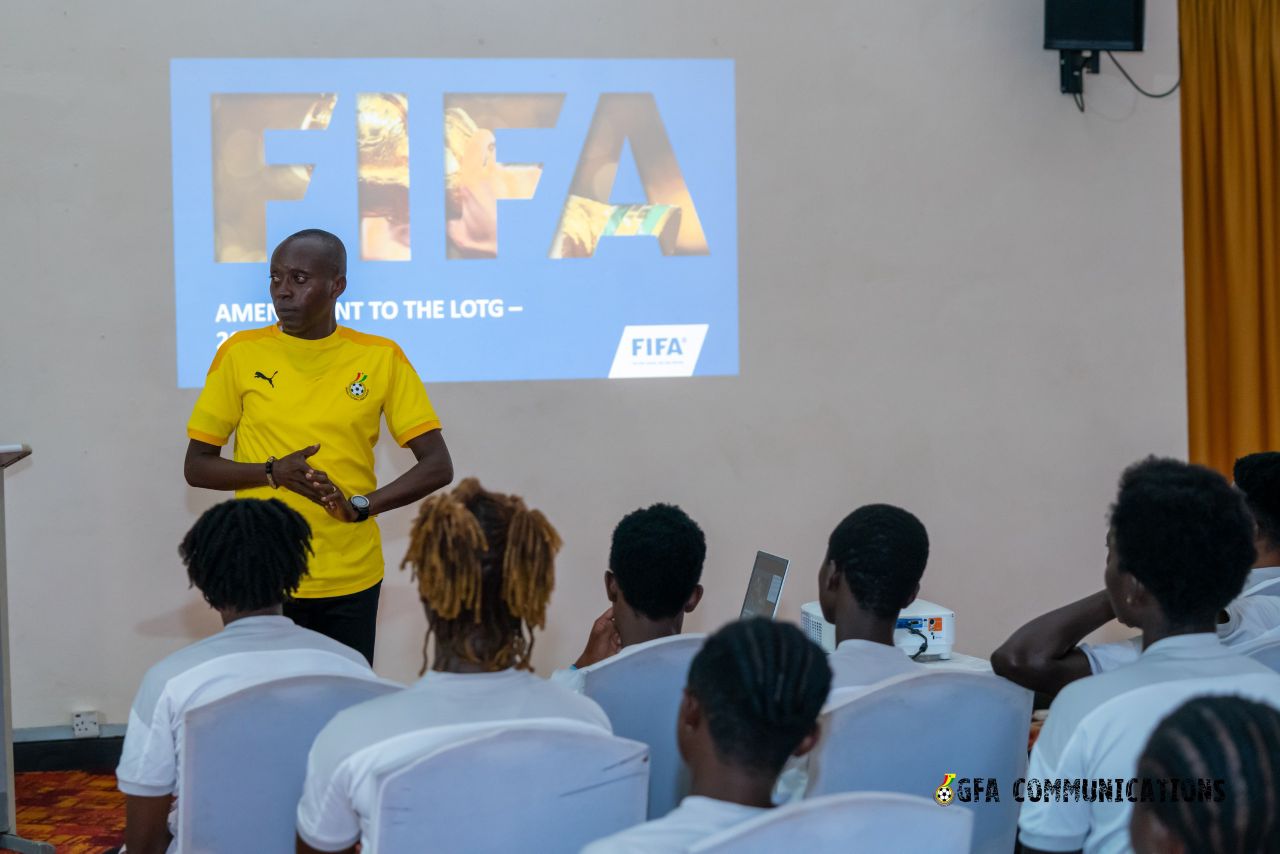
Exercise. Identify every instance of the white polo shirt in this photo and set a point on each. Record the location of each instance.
(856, 663)
(1250, 615)
(1098, 726)
(249, 651)
(367, 741)
(694, 820)
(575, 678)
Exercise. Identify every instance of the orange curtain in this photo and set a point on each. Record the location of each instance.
(1230, 200)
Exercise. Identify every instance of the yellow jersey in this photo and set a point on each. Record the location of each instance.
(280, 394)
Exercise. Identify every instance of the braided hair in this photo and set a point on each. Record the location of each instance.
(485, 567)
(761, 685)
(246, 554)
(1222, 738)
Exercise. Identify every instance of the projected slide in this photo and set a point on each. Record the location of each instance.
(504, 219)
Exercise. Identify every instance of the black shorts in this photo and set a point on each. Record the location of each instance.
(350, 619)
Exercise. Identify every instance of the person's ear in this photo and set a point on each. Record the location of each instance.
(809, 742)
(1136, 594)
(915, 591)
(339, 286)
(690, 714)
(611, 586)
(694, 598)
(834, 576)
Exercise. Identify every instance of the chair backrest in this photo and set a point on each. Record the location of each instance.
(539, 786)
(859, 821)
(906, 733)
(640, 690)
(244, 758)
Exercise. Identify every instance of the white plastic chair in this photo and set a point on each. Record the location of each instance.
(640, 690)
(244, 758)
(540, 787)
(904, 734)
(837, 824)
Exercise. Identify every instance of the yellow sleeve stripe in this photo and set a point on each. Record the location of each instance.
(241, 338)
(368, 340)
(365, 338)
(414, 432)
(206, 438)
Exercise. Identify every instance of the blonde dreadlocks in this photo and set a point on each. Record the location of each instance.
(485, 567)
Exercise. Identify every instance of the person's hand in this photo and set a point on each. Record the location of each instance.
(295, 474)
(603, 642)
(332, 498)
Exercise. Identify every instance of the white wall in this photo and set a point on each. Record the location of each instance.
(958, 294)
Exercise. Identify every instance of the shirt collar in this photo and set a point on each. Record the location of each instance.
(335, 337)
(258, 622)
(863, 645)
(440, 677)
(1185, 646)
(702, 803)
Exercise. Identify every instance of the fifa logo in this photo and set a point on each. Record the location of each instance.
(943, 794)
(656, 347)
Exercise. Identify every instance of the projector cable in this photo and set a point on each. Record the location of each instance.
(924, 643)
(1135, 85)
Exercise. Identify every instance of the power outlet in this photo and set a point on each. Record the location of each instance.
(86, 724)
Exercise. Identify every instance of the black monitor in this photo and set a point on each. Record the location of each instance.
(1093, 24)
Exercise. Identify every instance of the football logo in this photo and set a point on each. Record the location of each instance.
(943, 794)
(357, 390)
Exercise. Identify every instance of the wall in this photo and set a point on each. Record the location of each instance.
(958, 294)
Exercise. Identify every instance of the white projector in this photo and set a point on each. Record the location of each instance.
(922, 624)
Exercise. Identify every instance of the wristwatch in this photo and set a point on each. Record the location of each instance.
(361, 505)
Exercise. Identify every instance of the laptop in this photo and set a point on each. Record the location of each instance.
(764, 590)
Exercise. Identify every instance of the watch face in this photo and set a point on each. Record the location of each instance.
(359, 502)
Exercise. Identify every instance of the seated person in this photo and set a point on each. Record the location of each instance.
(655, 564)
(485, 565)
(245, 557)
(752, 700)
(872, 569)
(1179, 548)
(1227, 739)
(875, 559)
(1047, 652)
(1256, 611)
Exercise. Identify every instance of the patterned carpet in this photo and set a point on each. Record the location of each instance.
(78, 812)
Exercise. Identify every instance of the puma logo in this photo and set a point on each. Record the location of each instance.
(259, 375)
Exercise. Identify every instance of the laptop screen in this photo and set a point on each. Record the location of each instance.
(765, 588)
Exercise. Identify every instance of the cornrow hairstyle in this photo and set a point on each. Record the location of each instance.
(761, 685)
(1218, 738)
(656, 557)
(1258, 477)
(1184, 533)
(881, 551)
(485, 567)
(246, 554)
(334, 250)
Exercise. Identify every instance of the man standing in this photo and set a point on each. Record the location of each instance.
(304, 398)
